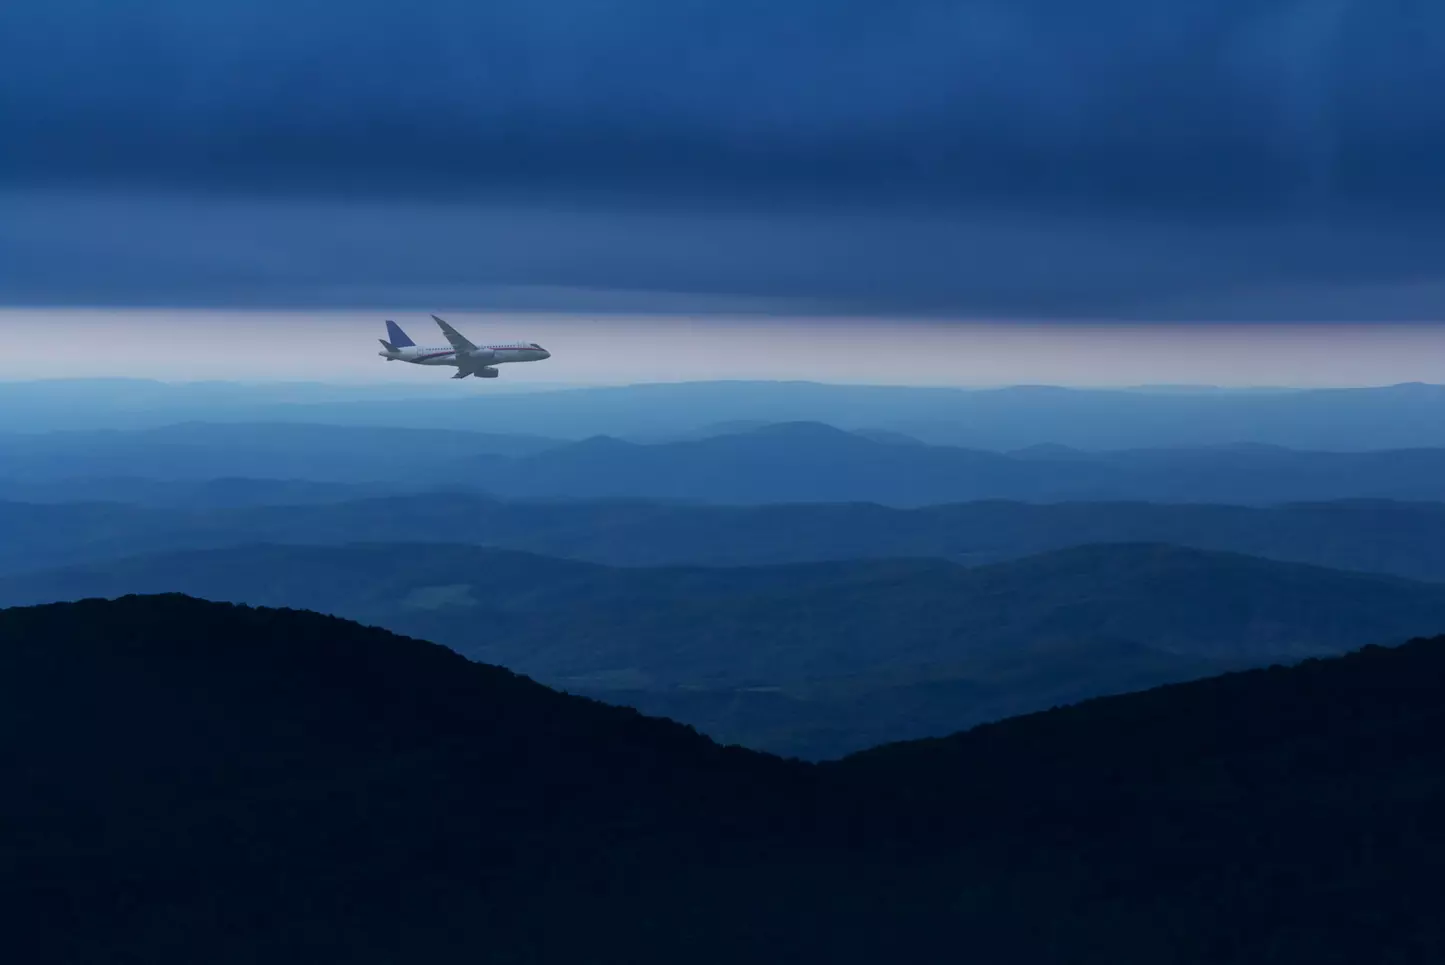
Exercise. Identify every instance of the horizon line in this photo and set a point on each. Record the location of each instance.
(543, 386)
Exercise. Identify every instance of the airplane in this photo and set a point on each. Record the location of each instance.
(469, 359)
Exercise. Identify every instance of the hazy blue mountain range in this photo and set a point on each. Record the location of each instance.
(195, 451)
(186, 777)
(222, 492)
(1402, 539)
(814, 659)
(1391, 417)
(811, 462)
(772, 463)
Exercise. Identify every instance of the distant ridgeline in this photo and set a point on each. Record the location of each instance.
(93, 520)
(189, 781)
(1404, 416)
(795, 462)
(813, 660)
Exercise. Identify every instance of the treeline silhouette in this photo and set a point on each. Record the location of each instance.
(810, 660)
(191, 781)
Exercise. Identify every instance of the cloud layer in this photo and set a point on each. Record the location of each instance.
(1189, 138)
(1183, 102)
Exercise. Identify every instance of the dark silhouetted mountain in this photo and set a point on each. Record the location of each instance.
(811, 659)
(171, 764)
(188, 781)
(1241, 798)
(1401, 539)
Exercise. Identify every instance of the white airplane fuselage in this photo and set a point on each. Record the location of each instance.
(436, 355)
(468, 359)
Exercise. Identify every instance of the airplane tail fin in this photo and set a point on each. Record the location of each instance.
(396, 336)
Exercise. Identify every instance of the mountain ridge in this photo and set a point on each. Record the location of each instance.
(1394, 538)
(281, 786)
(810, 659)
(799, 461)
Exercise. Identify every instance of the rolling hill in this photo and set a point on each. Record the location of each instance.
(800, 462)
(811, 659)
(191, 781)
(220, 492)
(1400, 539)
(193, 451)
(816, 463)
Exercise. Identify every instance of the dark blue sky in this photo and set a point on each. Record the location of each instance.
(1119, 158)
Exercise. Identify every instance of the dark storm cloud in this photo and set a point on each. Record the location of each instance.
(1185, 158)
(56, 247)
(1156, 102)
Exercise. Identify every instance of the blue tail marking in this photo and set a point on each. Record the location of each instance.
(396, 336)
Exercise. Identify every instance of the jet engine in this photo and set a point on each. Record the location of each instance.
(486, 373)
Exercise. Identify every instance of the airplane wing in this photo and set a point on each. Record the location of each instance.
(459, 344)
